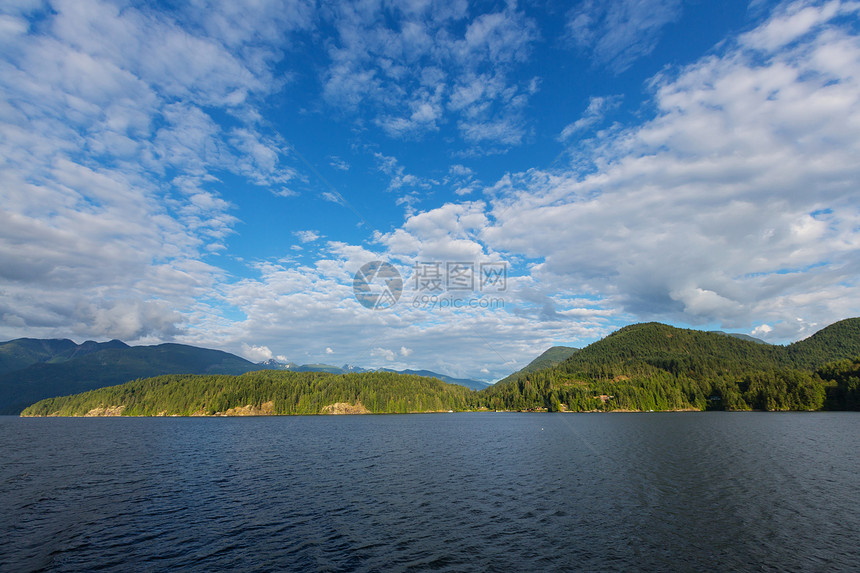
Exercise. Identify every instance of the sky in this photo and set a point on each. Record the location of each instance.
(531, 174)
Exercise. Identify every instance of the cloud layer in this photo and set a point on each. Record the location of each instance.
(128, 136)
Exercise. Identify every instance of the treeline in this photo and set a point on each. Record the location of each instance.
(289, 392)
(641, 367)
(835, 386)
(658, 367)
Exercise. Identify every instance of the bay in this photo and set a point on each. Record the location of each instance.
(442, 492)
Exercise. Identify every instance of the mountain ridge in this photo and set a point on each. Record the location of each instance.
(638, 367)
(108, 365)
(57, 367)
(656, 366)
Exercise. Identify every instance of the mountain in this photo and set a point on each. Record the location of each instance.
(67, 371)
(549, 358)
(640, 367)
(648, 366)
(654, 366)
(348, 369)
(345, 369)
(24, 352)
(272, 364)
(741, 336)
(468, 383)
(265, 392)
(835, 342)
(33, 369)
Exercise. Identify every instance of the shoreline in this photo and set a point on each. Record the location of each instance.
(369, 413)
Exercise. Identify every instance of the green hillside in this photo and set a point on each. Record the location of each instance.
(110, 366)
(835, 342)
(658, 367)
(555, 355)
(273, 392)
(639, 367)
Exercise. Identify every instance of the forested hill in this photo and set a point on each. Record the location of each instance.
(656, 366)
(694, 352)
(67, 372)
(837, 341)
(265, 392)
(640, 367)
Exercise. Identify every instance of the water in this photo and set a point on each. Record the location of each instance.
(443, 492)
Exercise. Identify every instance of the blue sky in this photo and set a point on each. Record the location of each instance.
(216, 173)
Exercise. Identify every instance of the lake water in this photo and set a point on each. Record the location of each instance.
(441, 492)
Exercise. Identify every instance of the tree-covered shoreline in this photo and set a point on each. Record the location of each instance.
(643, 367)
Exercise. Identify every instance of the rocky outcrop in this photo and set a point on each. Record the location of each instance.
(265, 409)
(105, 411)
(345, 408)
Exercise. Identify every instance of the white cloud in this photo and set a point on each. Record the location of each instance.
(332, 197)
(99, 105)
(762, 330)
(597, 108)
(295, 306)
(256, 353)
(307, 236)
(285, 192)
(734, 203)
(411, 67)
(399, 178)
(619, 33)
(461, 170)
(793, 22)
(383, 353)
(338, 163)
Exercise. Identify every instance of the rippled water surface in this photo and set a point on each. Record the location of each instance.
(445, 492)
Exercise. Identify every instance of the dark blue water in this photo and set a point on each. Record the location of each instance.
(444, 492)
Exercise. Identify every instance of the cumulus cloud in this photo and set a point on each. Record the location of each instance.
(735, 201)
(383, 353)
(256, 353)
(99, 104)
(296, 306)
(733, 204)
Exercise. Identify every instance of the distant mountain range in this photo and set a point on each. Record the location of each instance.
(641, 367)
(740, 336)
(349, 369)
(33, 369)
(468, 383)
